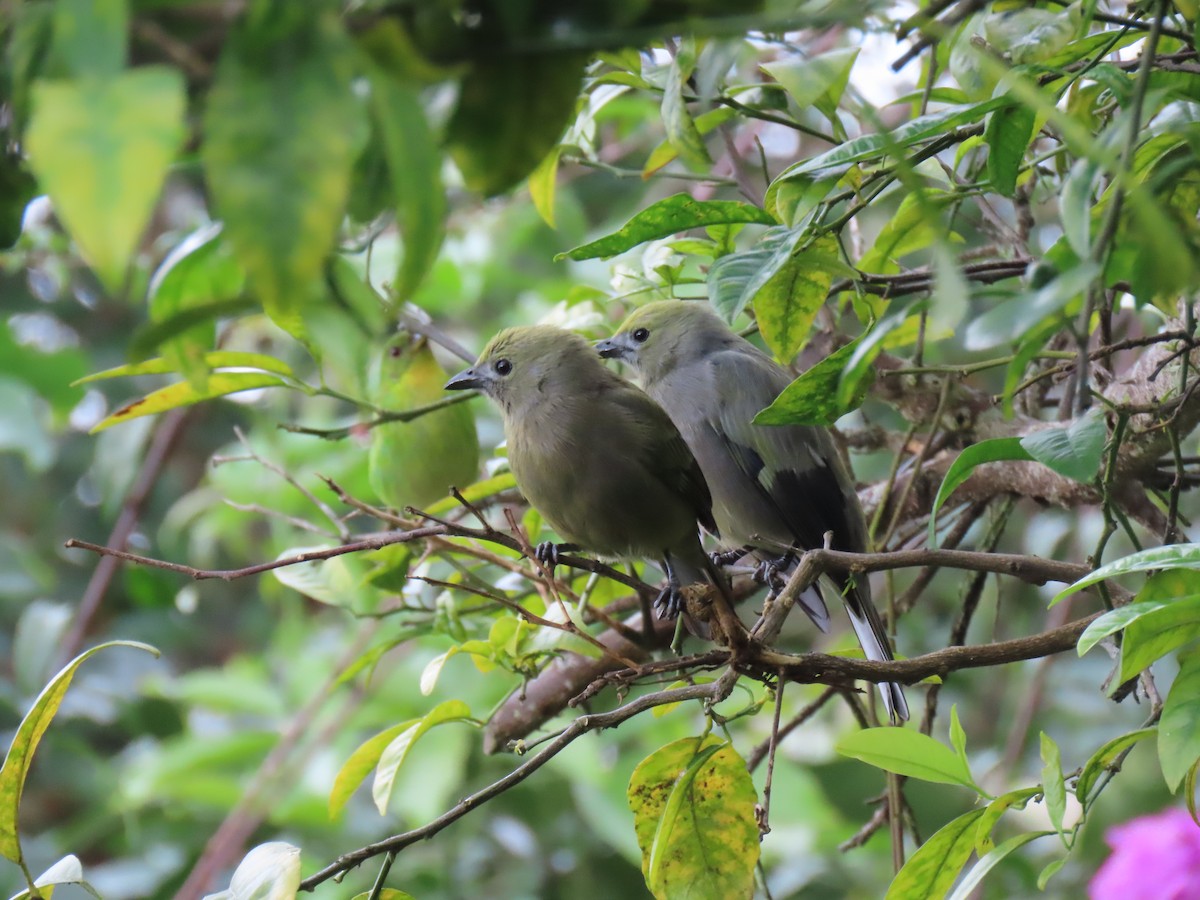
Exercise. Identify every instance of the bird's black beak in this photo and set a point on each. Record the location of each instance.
(466, 380)
(610, 348)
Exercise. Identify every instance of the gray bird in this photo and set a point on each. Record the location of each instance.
(773, 487)
(596, 456)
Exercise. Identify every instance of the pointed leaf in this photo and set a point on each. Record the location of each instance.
(1154, 635)
(812, 399)
(355, 769)
(396, 752)
(965, 889)
(1182, 556)
(1103, 758)
(787, 303)
(174, 396)
(282, 129)
(681, 128)
(1054, 786)
(906, 752)
(217, 359)
(25, 742)
(668, 216)
(993, 812)
(932, 869)
(101, 149)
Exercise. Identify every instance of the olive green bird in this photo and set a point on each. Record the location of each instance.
(414, 463)
(773, 487)
(595, 456)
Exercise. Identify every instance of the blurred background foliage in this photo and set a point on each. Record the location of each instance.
(364, 155)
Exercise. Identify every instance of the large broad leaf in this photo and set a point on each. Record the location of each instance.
(414, 166)
(25, 742)
(1008, 133)
(812, 399)
(693, 807)
(907, 752)
(1179, 727)
(932, 869)
(1173, 556)
(283, 127)
(669, 216)
(787, 303)
(1074, 452)
(1010, 321)
(100, 149)
(511, 111)
(819, 81)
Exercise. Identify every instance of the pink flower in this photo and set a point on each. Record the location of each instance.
(1154, 858)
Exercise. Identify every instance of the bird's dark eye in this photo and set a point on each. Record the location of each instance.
(502, 366)
(641, 335)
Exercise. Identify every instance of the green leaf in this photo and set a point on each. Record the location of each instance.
(705, 122)
(920, 129)
(219, 384)
(1181, 556)
(787, 303)
(355, 769)
(1010, 321)
(543, 184)
(1076, 203)
(668, 216)
(1155, 634)
(415, 167)
(994, 450)
(996, 809)
(1103, 758)
(812, 399)
(1073, 452)
(1052, 869)
(17, 188)
(282, 128)
(958, 738)
(511, 111)
(1116, 620)
(1179, 727)
(932, 869)
(1054, 786)
(100, 149)
(396, 752)
(217, 359)
(385, 894)
(25, 742)
(907, 752)
(198, 278)
(965, 889)
(693, 806)
(1008, 133)
(90, 40)
(818, 81)
(681, 128)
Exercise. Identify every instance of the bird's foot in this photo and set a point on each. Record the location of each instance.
(770, 571)
(723, 558)
(547, 553)
(669, 602)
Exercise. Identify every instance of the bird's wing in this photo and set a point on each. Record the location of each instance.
(667, 455)
(796, 468)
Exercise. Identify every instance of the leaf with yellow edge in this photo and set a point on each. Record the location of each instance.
(29, 734)
(219, 384)
(218, 359)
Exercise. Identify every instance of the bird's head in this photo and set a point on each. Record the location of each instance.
(662, 335)
(528, 365)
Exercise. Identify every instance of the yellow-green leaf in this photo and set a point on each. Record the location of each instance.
(283, 126)
(693, 806)
(396, 752)
(219, 384)
(101, 148)
(29, 734)
(931, 871)
(787, 304)
(355, 769)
